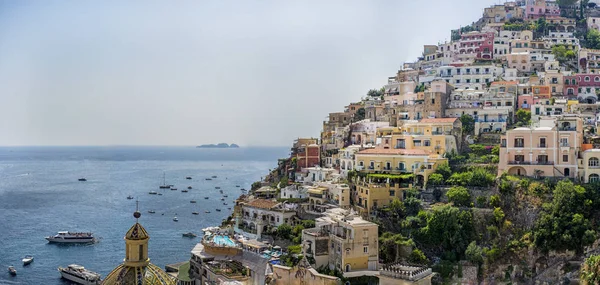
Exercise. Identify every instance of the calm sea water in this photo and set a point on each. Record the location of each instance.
(40, 195)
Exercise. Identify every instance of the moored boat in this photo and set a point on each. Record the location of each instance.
(190, 235)
(190, 187)
(82, 179)
(173, 189)
(151, 211)
(164, 185)
(12, 270)
(80, 275)
(206, 198)
(225, 196)
(71, 237)
(184, 190)
(193, 201)
(238, 186)
(218, 210)
(207, 211)
(195, 213)
(188, 177)
(175, 219)
(28, 259)
(225, 203)
(129, 197)
(214, 176)
(152, 192)
(217, 187)
(207, 179)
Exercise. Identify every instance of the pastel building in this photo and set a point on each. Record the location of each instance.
(491, 110)
(550, 149)
(589, 166)
(343, 241)
(589, 61)
(372, 194)
(346, 157)
(582, 86)
(535, 9)
(480, 44)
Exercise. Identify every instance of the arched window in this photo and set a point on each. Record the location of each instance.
(573, 82)
(593, 162)
(587, 79)
(594, 178)
(596, 79)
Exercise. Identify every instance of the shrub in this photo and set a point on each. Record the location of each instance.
(460, 196)
(436, 179)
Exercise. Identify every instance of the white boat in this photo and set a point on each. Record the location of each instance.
(152, 192)
(71, 237)
(175, 219)
(80, 275)
(12, 270)
(28, 259)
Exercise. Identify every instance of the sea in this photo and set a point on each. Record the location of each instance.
(40, 195)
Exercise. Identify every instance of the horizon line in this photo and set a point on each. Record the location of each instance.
(130, 145)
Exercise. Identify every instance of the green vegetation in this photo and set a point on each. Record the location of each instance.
(375, 92)
(564, 223)
(478, 176)
(468, 124)
(590, 271)
(359, 115)
(563, 54)
(523, 117)
(592, 39)
(460, 196)
(448, 231)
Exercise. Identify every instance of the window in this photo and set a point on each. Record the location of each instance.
(594, 178)
(564, 142)
(519, 158)
(593, 162)
(542, 142)
(587, 79)
(565, 158)
(542, 159)
(519, 142)
(401, 166)
(427, 143)
(392, 193)
(141, 257)
(365, 249)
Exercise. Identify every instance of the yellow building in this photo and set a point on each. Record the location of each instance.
(397, 161)
(434, 136)
(343, 241)
(136, 269)
(373, 193)
(589, 166)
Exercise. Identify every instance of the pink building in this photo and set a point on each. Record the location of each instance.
(583, 86)
(526, 100)
(535, 9)
(478, 43)
(549, 150)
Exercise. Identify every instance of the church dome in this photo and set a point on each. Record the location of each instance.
(136, 269)
(146, 275)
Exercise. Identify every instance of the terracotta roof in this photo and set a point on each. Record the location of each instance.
(262, 203)
(438, 120)
(514, 82)
(393, 151)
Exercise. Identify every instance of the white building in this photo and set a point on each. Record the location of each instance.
(346, 156)
(260, 214)
(294, 192)
(316, 174)
(466, 76)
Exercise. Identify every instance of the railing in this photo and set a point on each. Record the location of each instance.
(593, 166)
(564, 129)
(371, 167)
(542, 145)
(490, 121)
(565, 145)
(531, 163)
(519, 145)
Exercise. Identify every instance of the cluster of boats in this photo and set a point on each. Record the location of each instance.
(28, 259)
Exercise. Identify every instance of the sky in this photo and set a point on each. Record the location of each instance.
(255, 73)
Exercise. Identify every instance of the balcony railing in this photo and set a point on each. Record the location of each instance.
(565, 129)
(517, 162)
(542, 145)
(565, 145)
(520, 145)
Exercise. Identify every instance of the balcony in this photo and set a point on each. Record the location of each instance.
(542, 145)
(565, 145)
(567, 129)
(525, 106)
(516, 162)
(400, 146)
(519, 145)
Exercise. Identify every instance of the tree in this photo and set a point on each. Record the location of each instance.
(436, 179)
(418, 257)
(592, 39)
(444, 170)
(390, 245)
(359, 115)
(564, 224)
(397, 207)
(474, 253)
(468, 124)
(566, 3)
(524, 117)
(284, 231)
(448, 229)
(590, 271)
(375, 93)
(460, 196)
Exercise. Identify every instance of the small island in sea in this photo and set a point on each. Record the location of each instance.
(221, 145)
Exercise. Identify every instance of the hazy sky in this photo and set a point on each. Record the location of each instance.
(192, 72)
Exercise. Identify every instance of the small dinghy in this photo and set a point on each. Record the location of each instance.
(190, 235)
(175, 219)
(12, 270)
